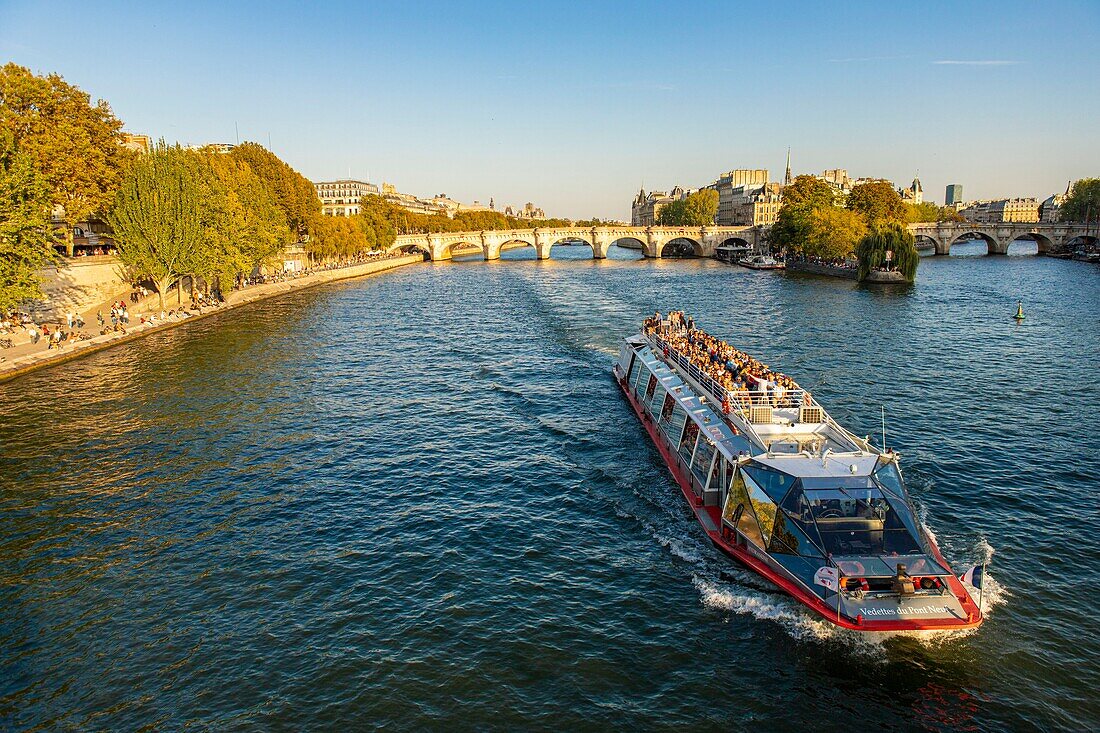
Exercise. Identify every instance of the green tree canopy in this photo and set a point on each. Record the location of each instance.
(161, 218)
(808, 190)
(792, 227)
(878, 203)
(73, 143)
(696, 209)
(24, 226)
(888, 245)
(294, 194)
(833, 233)
(1083, 201)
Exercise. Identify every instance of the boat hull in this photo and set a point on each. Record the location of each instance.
(755, 559)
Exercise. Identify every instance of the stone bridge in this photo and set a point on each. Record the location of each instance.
(1051, 238)
(650, 240)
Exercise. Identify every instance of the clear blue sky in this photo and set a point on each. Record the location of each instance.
(574, 105)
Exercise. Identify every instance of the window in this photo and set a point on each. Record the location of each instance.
(762, 506)
(687, 443)
(854, 521)
(632, 371)
(674, 426)
(788, 539)
(700, 466)
(649, 388)
(666, 408)
(889, 477)
(737, 508)
(655, 402)
(775, 484)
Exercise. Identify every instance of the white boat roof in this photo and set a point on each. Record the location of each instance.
(804, 465)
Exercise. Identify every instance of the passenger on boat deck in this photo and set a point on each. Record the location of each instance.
(731, 369)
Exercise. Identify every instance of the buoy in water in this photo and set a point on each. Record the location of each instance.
(1019, 312)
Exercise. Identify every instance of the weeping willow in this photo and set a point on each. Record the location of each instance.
(871, 251)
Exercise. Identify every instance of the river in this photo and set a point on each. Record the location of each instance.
(419, 500)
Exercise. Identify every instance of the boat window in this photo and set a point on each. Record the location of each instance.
(859, 522)
(746, 523)
(666, 408)
(889, 478)
(788, 539)
(687, 443)
(656, 400)
(650, 387)
(632, 372)
(716, 472)
(704, 453)
(642, 372)
(762, 506)
(674, 426)
(775, 484)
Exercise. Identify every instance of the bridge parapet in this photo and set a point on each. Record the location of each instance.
(1050, 237)
(704, 240)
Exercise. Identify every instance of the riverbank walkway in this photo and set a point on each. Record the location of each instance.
(27, 356)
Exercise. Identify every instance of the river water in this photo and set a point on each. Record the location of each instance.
(419, 500)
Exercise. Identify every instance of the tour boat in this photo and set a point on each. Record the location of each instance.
(761, 262)
(780, 486)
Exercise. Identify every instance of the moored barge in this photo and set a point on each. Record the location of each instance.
(781, 487)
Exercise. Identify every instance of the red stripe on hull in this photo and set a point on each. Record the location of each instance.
(785, 584)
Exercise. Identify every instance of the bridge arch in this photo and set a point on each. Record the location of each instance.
(680, 246)
(411, 248)
(571, 241)
(632, 243)
(509, 242)
(1080, 241)
(461, 247)
(926, 242)
(992, 246)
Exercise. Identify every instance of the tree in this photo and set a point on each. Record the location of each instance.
(808, 190)
(294, 194)
(24, 226)
(922, 212)
(892, 238)
(833, 233)
(161, 216)
(246, 225)
(73, 143)
(1083, 201)
(792, 227)
(696, 209)
(877, 202)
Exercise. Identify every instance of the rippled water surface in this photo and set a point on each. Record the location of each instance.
(420, 500)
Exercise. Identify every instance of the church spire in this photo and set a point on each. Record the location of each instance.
(787, 177)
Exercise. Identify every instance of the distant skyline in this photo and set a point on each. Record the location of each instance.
(575, 106)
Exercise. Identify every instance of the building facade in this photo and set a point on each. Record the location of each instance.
(1024, 210)
(647, 207)
(914, 194)
(137, 143)
(735, 188)
(954, 194)
(341, 197)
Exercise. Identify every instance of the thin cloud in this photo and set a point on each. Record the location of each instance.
(866, 59)
(981, 62)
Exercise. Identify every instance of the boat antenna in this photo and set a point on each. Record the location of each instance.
(883, 408)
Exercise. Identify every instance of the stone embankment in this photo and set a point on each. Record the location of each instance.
(72, 350)
(849, 273)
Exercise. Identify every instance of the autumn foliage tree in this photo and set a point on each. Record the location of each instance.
(1083, 201)
(73, 143)
(24, 226)
(878, 203)
(696, 209)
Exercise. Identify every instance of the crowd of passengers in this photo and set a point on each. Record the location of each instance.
(733, 370)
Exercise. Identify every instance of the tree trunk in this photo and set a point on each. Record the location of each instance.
(70, 247)
(162, 286)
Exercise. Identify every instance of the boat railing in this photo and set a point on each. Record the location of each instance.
(752, 406)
